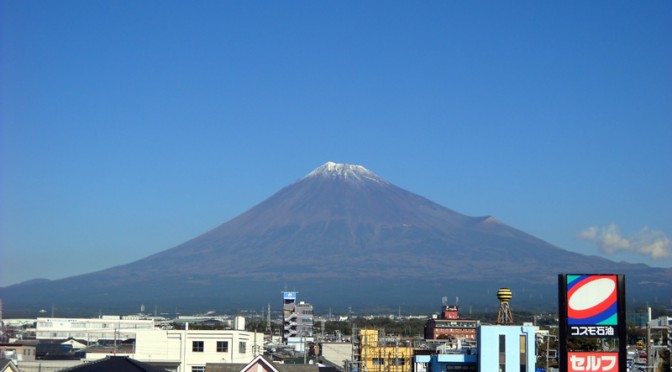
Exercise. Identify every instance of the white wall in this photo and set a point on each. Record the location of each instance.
(488, 347)
(91, 330)
(337, 352)
(177, 346)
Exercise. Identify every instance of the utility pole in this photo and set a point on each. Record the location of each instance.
(548, 348)
(648, 339)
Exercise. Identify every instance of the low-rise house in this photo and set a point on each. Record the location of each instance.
(6, 365)
(17, 351)
(46, 365)
(114, 364)
(75, 344)
(261, 364)
(54, 351)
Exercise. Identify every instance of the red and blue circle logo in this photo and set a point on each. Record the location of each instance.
(592, 299)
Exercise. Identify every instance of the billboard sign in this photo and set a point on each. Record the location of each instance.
(289, 295)
(593, 362)
(592, 306)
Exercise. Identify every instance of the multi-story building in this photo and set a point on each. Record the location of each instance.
(449, 325)
(506, 348)
(500, 348)
(108, 327)
(377, 353)
(297, 322)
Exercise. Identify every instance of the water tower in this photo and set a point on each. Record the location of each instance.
(504, 317)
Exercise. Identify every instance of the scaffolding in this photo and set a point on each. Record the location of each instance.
(373, 351)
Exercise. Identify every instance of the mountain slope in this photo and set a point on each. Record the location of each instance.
(342, 233)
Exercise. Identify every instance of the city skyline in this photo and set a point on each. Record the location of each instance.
(129, 128)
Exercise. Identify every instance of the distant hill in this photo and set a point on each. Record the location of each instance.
(341, 236)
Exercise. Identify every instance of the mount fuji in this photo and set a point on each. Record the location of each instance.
(342, 236)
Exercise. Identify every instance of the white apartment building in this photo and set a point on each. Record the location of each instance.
(108, 327)
(190, 350)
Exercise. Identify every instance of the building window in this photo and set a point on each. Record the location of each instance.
(197, 346)
(222, 346)
(451, 368)
(198, 369)
(523, 353)
(502, 353)
(378, 361)
(242, 347)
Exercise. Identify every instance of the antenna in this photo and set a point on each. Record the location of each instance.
(268, 320)
(444, 300)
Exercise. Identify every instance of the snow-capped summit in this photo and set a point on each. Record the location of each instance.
(345, 171)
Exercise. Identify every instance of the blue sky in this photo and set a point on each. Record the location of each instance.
(128, 127)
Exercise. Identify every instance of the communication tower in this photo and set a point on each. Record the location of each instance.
(504, 316)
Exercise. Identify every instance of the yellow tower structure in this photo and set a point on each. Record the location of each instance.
(505, 316)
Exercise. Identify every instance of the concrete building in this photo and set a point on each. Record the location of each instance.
(500, 348)
(191, 350)
(506, 348)
(17, 351)
(661, 322)
(109, 327)
(338, 353)
(297, 322)
(449, 325)
(446, 362)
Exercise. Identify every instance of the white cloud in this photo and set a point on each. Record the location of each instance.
(653, 243)
(589, 233)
